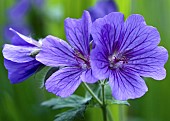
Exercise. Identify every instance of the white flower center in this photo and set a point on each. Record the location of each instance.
(117, 61)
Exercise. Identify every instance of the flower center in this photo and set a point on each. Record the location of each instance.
(117, 61)
(82, 60)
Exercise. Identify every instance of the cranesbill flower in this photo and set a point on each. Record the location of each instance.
(21, 9)
(19, 57)
(102, 8)
(125, 52)
(74, 58)
(17, 15)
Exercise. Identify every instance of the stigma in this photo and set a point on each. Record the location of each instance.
(117, 61)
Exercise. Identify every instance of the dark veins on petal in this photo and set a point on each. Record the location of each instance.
(83, 61)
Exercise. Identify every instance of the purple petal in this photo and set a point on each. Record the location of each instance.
(133, 21)
(126, 85)
(18, 11)
(106, 31)
(87, 76)
(20, 54)
(78, 33)
(56, 52)
(21, 28)
(20, 39)
(99, 63)
(102, 8)
(138, 36)
(38, 3)
(150, 63)
(18, 72)
(64, 82)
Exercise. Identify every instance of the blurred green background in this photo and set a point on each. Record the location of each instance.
(21, 102)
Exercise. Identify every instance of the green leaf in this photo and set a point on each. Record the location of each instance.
(48, 73)
(108, 92)
(72, 114)
(119, 102)
(96, 88)
(77, 103)
(109, 98)
(70, 102)
(40, 68)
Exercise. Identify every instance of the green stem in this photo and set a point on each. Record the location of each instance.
(104, 110)
(104, 113)
(92, 94)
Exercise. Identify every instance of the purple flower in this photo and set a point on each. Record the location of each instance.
(125, 52)
(19, 10)
(74, 58)
(102, 8)
(18, 57)
(21, 28)
(17, 17)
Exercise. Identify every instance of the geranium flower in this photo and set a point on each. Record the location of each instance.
(17, 15)
(19, 57)
(74, 58)
(102, 8)
(21, 9)
(125, 52)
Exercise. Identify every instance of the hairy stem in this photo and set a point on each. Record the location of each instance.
(104, 110)
(92, 94)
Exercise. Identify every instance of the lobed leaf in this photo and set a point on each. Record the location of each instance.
(72, 114)
(73, 101)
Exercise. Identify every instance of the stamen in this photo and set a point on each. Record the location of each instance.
(117, 61)
(83, 61)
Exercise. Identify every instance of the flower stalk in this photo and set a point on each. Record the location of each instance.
(92, 94)
(104, 110)
(102, 103)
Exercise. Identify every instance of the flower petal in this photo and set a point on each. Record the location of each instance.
(18, 72)
(150, 63)
(78, 33)
(126, 85)
(102, 8)
(19, 10)
(138, 36)
(106, 32)
(87, 76)
(99, 63)
(64, 82)
(12, 37)
(20, 39)
(19, 54)
(56, 52)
